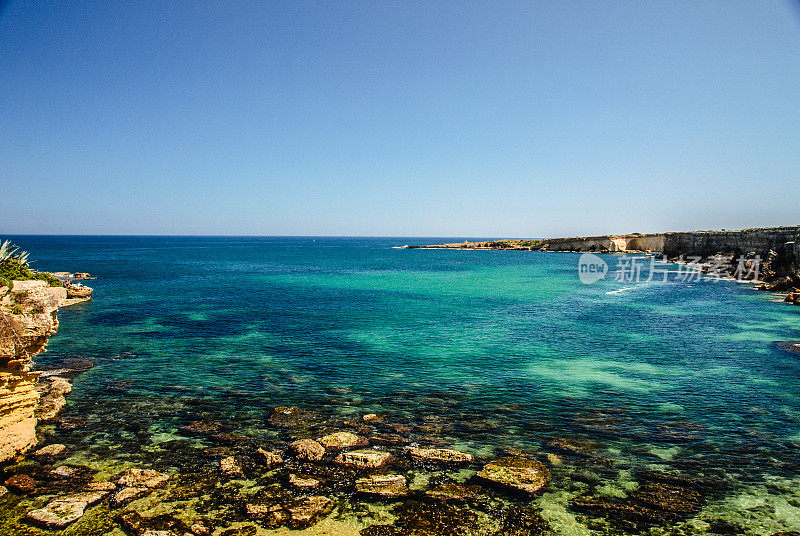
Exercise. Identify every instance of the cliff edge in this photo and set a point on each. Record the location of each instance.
(28, 317)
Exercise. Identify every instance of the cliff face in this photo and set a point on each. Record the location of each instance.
(759, 241)
(778, 247)
(28, 317)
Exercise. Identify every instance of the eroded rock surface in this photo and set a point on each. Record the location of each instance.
(384, 486)
(516, 474)
(62, 511)
(364, 459)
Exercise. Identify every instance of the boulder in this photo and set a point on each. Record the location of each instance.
(515, 474)
(307, 450)
(342, 441)
(140, 478)
(306, 511)
(78, 291)
(383, 486)
(60, 512)
(269, 459)
(126, 495)
(363, 459)
(20, 484)
(101, 486)
(301, 482)
(229, 468)
(440, 456)
(51, 397)
(50, 452)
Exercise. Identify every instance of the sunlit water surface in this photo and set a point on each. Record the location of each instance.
(672, 376)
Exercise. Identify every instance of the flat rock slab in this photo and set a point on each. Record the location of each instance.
(386, 486)
(342, 441)
(307, 450)
(20, 484)
(516, 474)
(440, 456)
(50, 451)
(364, 459)
(308, 510)
(59, 513)
(101, 486)
(303, 482)
(140, 478)
(126, 495)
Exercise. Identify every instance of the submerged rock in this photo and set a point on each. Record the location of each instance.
(671, 499)
(306, 511)
(384, 486)
(616, 508)
(160, 525)
(301, 482)
(52, 399)
(268, 515)
(652, 502)
(71, 472)
(50, 452)
(364, 459)
(201, 428)
(20, 484)
(269, 459)
(101, 486)
(126, 495)
(523, 522)
(293, 417)
(440, 456)
(579, 447)
(60, 512)
(436, 519)
(342, 441)
(229, 468)
(307, 450)
(389, 439)
(140, 478)
(515, 474)
(447, 489)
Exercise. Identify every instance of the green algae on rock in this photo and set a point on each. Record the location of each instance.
(516, 474)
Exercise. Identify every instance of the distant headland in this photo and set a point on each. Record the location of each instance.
(778, 248)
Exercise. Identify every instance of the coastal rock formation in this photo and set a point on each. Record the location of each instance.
(777, 247)
(60, 512)
(384, 486)
(441, 456)
(28, 317)
(78, 291)
(516, 474)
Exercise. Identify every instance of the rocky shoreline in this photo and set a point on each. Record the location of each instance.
(776, 249)
(371, 475)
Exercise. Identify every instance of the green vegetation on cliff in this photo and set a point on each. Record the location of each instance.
(14, 266)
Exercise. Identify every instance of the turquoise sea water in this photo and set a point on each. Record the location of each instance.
(670, 376)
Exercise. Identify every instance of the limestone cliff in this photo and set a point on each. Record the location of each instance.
(778, 247)
(28, 317)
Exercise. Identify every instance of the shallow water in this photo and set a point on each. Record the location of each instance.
(498, 349)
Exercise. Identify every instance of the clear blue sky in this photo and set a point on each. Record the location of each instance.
(398, 118)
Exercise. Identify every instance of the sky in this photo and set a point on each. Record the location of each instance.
(463, 119)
